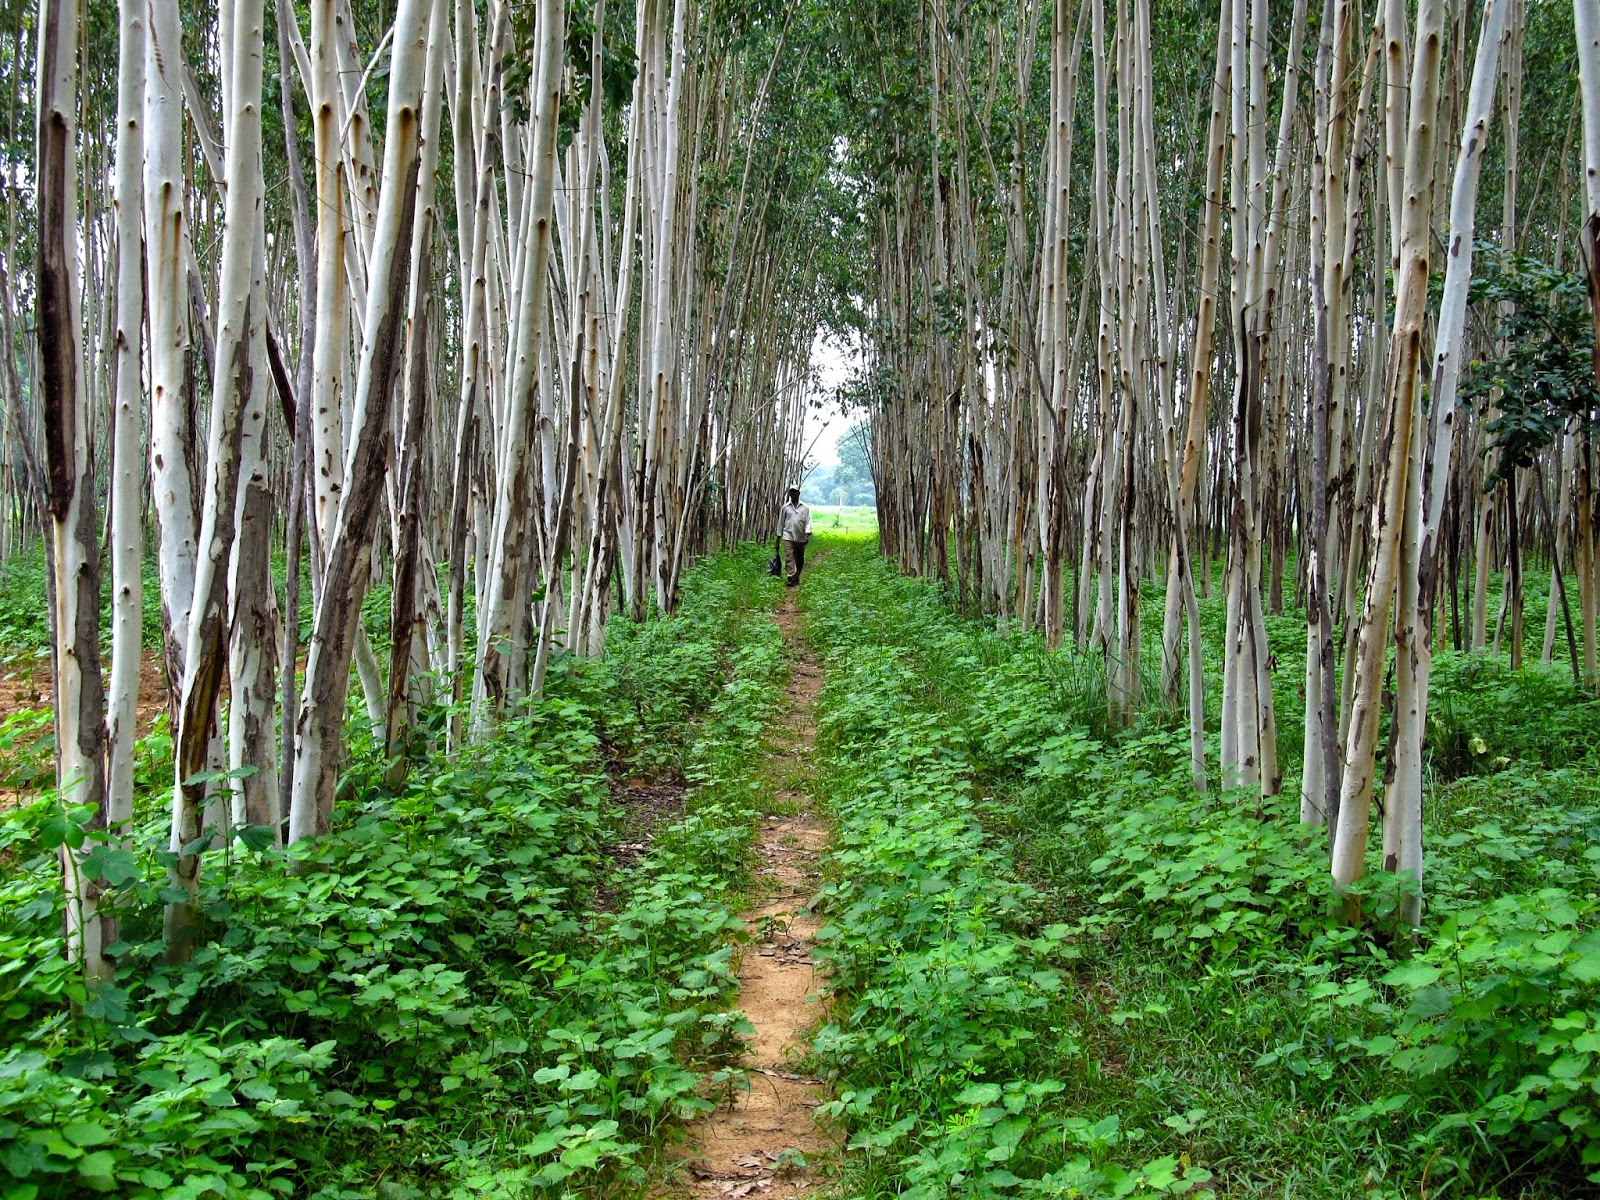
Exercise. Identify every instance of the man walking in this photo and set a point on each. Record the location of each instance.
(794, 529)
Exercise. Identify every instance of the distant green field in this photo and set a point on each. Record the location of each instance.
(850, 518)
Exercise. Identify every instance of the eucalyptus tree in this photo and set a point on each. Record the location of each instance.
(525, 324)
(1393, 527)
(1429, 469)
(1327, 448)
(172, 402)
(1249, 722)
(70, 479)
(592, 332)
(1586, 19)
(503, 636)
(348, 549)
(126, 486)
(230, 565)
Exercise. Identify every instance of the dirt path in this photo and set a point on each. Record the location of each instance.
(767, 1143)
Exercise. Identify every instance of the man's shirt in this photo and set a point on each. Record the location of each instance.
(794, 523)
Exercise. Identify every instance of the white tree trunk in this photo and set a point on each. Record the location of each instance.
(1395, 454)
(1586, 26)
(127, 457)
(328, 358)
(408, 565)
(1402, 821)
(319, 725)
(69, 466)
(239, 382)
(167, 253)
(501, 619)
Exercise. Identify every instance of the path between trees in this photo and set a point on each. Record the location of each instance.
(767, 1142)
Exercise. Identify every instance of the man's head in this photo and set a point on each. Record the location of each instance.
(794, 495)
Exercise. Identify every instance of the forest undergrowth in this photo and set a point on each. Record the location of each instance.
(1056, 972)
(460, 992)
(1052, 970)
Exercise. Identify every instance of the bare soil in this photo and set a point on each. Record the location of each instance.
(768, 1143)
(645, 806)
(28, 684)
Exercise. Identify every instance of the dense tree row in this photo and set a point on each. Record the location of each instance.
(508, 307)
(1309, 289)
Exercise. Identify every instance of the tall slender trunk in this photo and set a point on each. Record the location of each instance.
(1402, 825)
(1586, 25)
(1395, 458)
(69, 473)
(319, 725)
(406, 592)
(328, 359)
(233, 448)
(503, 622)
(171, 420)
(298, 502)
(127, 459)
(1330, 60)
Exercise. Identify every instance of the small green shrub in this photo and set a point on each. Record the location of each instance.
(28, 749)
(1483, 716)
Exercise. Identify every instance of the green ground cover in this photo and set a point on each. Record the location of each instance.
(1059, 973)
(845, 519)
(1055, 972)
(457, 993)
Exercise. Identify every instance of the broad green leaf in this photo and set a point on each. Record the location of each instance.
(111, 864)
(1412, 975)
(84, 1133)
(99, 1170)
(978, 1094)
(107, 1003)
